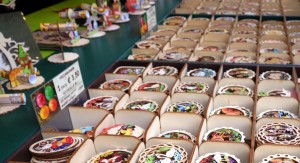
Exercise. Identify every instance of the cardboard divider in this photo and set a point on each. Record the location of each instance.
(232, 100)
(160, 98)
(165, 33)
(264, 121)
(216, 37)
(195, 22)
(240, 150)
(168, 48)
(144, 51)
(110, 76)
(238, 29)
(84, 153)
(264, 151)
(108, 142)
(173, 121)
(99, 92)
(250, 47)
(182, 43)
(278, 103)
(244, 124)
(246, 54)
(107, 121)
(95, 116)
(268, 85)
(189, 147)
(244, 82)
(144, 119)
(194, 35)
(296, 59)
(167, 27)
(218, 56)
(183, 11)
(273, 37)
(151, 52)
(282, 56)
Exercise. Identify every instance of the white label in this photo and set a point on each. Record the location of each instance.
(68, 85)
(151, 18)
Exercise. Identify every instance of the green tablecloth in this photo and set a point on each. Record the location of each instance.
(18, 126)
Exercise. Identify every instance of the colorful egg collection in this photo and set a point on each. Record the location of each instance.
(47, 102)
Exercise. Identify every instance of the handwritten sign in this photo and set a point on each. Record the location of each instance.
(151, 18)
(68, 85)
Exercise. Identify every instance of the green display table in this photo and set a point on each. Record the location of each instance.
(20, 125)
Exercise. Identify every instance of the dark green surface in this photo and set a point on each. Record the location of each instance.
(18, 126)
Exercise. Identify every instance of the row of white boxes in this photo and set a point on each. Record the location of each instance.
(223, 41)
(240, 7)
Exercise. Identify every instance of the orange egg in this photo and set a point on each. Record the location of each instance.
(53, 104)
(44, 112)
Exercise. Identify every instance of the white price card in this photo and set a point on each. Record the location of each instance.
(68, 85)
(151, 18)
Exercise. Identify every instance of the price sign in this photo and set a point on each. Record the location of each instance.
(151, 18)
(68, 85)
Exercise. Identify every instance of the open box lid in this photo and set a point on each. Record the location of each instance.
(242, 123)
(158, 97)
(197, 97)
(216, 37)
(189, 147)
(232, 81)
(144, 51)
(264, 151)
(240, 150)
(107, 142)
(231, 100)
(278, 103)
(174, 121)
(94, 116)
(112, 76)
(144, 119)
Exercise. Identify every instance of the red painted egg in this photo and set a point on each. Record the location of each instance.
(40, 100)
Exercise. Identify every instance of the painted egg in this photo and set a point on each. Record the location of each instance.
(49, 92)
(53, 104)
(44, 112)
(40, 100)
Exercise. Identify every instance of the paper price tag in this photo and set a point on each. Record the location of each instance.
(68, 85)
(151, 18)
